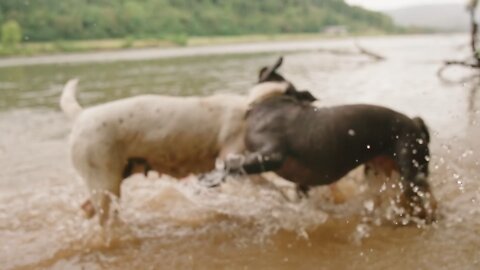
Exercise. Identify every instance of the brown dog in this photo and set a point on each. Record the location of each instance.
(313, 146)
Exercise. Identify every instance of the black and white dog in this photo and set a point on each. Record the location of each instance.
(313, 146)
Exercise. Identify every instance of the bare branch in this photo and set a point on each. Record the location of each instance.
(475, 57)
(375, 56)
(360, 51)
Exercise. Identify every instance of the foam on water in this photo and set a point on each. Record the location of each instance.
(244, 224)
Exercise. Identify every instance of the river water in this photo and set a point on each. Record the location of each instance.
(170, 224)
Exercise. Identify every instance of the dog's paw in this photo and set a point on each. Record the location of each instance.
(213, 178)
(88, 209)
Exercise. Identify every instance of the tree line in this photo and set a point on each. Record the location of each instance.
(47, 20)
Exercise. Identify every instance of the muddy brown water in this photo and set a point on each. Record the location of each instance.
(171, 224)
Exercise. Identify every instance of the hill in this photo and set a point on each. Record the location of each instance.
(46, 20)
(445, 17)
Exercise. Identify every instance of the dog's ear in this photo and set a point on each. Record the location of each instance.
(304, 96)
(270, 73)
(278, 63)
(262, 75)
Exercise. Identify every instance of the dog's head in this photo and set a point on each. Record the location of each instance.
(269, 73)
(300, 95)
(271, 83)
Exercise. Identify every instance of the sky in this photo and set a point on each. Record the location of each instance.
(393, 4)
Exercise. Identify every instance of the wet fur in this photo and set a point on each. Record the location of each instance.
(177, 136)
(313, 146)
(172, 135)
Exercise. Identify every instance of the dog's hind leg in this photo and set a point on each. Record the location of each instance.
(88, 209)
(101, 167)
(413, 159)
(104, 186)
(128, 170)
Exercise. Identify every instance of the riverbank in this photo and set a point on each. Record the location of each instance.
(200, 47)
(61, 47)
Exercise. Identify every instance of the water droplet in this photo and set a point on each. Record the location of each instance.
(415, 163)
(383, 187)
(362, 231)
(368, 146)
(351, 132)
(369, 205)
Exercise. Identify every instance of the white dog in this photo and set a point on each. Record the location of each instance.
(174, 135)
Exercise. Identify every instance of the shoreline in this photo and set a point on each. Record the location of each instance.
(77, 46)
(229, 46)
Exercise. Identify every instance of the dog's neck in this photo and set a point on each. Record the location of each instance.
(266, 90)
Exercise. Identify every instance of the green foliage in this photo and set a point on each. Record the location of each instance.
(64, 46)
(128, 42)
(44, 20)
(180, 39)
(11, 34)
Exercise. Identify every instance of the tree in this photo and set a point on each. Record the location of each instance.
(11, 34)
(50, 20)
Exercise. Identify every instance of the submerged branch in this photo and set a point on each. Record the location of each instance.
(475, 57)
(360, 51)
(371, 54)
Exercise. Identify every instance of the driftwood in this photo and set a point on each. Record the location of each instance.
(360, 51)
(474, 60)
(369, 53)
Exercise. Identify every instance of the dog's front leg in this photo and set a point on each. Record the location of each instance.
(254, 163)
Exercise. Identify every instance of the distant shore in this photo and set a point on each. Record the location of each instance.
(108, 50)
(75, 46)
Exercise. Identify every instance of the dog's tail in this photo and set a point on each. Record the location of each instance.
(423, 127)
(68, 101)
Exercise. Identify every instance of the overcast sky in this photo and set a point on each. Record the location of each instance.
(392, 4)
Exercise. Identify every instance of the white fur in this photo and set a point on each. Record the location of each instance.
(68, 102)
(176, 135)
(266, 90)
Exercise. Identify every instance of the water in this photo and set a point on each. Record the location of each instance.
(171, 224)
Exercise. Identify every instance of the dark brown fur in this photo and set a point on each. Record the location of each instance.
(313, 146)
